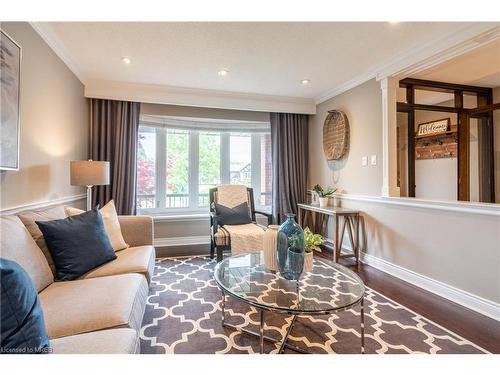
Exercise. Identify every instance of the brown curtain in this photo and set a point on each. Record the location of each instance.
(115, 126)
(290, 151)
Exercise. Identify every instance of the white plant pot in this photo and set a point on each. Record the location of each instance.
(308, 261)
(269, 246)
(323, 201)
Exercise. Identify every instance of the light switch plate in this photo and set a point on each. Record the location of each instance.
(373, 160)
(364, 161)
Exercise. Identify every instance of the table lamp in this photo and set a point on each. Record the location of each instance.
(89, 173)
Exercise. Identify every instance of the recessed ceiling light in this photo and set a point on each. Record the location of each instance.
(393, 22)
(223, 72)
(126, 60)
(305, 81)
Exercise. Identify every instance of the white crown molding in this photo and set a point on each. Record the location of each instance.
(471, 36)
(162, 94)
(48, 35)
(440, 50)
(34, 206)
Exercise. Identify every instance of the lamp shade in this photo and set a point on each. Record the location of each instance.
(89, 172)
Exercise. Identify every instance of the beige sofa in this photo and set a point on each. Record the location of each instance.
(99, 313)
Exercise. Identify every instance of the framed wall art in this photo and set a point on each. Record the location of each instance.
(10, 87)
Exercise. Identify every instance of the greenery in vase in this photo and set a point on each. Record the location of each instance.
(322, 193)
(296, 241)
(312, 241)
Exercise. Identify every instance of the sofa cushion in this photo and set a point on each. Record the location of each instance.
(79, 306)
(108, 341)
(111, 224)
(47, 214)
(17, 245)
(139, 259)
(77, 243)
(22, 327)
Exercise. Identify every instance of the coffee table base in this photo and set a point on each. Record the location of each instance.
(283, 342)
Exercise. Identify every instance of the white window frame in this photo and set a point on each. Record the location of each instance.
(193, 170)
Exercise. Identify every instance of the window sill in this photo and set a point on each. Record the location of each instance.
(177, 216)
(163, 217)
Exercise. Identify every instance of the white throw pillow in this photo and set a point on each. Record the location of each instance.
(111, 224)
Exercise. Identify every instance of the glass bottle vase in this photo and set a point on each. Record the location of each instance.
(290, 249)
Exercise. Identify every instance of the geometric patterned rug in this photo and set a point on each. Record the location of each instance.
(183, 315)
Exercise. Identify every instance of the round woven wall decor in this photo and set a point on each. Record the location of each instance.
(335, 135)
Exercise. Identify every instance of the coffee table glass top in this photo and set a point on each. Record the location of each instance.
(329, 287)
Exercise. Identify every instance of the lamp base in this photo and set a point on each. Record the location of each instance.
(89, 197)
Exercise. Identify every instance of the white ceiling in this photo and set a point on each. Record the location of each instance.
(479, 67)
(262, 58)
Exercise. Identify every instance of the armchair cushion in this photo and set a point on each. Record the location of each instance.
(232, 216)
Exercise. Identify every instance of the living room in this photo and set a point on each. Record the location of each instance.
(249, 187)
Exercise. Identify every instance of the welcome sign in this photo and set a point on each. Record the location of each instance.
(433, 127)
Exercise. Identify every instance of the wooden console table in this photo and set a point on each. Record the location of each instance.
(350, 221)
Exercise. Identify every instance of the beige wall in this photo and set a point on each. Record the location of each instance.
(363, 107)
(54, 123)
(459, 249)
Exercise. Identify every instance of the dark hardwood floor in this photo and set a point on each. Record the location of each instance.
(469, 324)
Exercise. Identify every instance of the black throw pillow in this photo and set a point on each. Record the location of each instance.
(232, 216)
(22, 326)
(77, 244)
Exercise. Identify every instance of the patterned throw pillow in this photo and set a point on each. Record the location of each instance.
(232, 216)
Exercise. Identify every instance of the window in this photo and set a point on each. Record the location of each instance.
(180, 159)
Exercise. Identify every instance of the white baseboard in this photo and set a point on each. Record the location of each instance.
(34, 206)
(469, 300)
(182, 241)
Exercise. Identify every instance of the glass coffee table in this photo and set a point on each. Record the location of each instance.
(329, 288)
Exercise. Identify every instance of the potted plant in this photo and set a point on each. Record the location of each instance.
(312, 243)
(323, 194)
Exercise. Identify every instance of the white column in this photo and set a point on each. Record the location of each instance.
(389, 88)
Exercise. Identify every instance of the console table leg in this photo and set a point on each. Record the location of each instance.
(335, 237)
(362, 325)
(261, 331)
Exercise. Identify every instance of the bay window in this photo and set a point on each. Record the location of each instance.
(180, 159)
